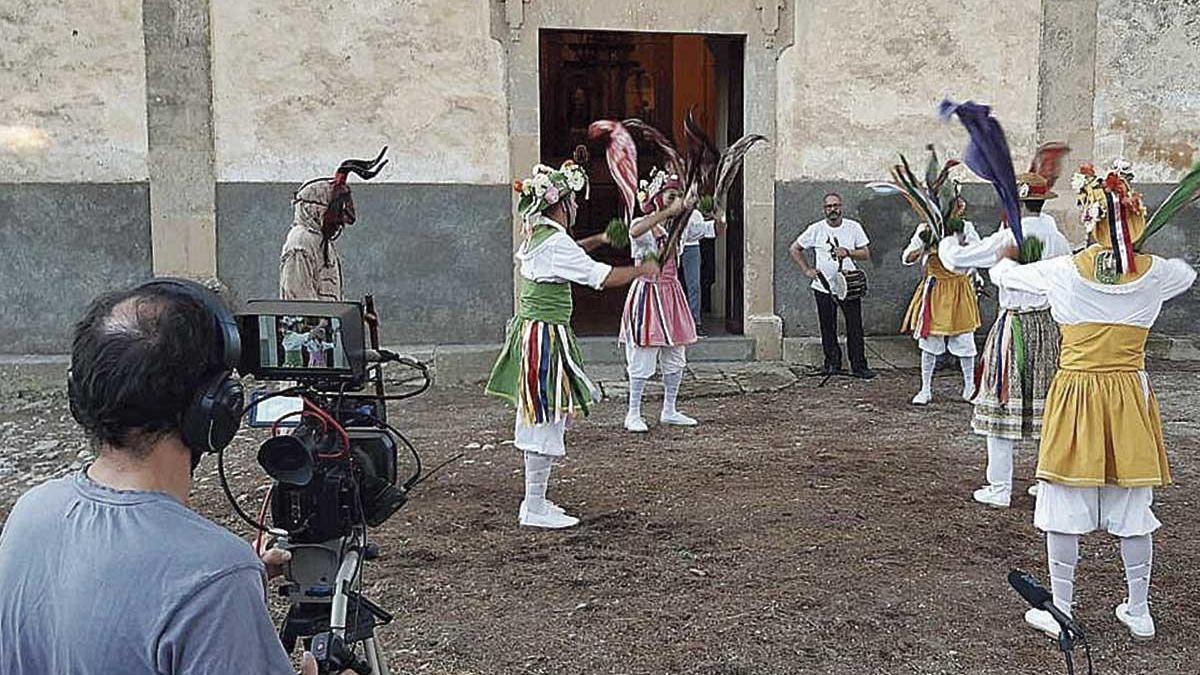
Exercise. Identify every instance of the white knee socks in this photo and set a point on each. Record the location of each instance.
(928, 364)
(1063, 552)
(671, 383)
(1138, 553)
(636, 386)
(967, 363)
(537, 477)
(1000, 464)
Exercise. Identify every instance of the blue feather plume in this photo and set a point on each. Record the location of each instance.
(988, 156)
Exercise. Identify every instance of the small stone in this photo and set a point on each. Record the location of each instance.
(46, 446)
(471, 446)
(488, 446)
(75, 466)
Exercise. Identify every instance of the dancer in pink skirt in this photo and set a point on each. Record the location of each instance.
(657, 324)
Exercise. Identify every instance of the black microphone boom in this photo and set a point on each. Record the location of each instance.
(1039, 598)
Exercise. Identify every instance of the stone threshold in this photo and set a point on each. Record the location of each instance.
(729, 360)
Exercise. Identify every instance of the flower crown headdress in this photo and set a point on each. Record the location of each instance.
(1111, 211)
(660, 180)
(548, 186)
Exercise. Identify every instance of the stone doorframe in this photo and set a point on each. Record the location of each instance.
(768, 27)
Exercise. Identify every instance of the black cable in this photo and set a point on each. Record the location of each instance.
(412, 450)
(229, 495)
(438, 468)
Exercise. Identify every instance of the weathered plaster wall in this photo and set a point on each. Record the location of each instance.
(63, 244)
(1147, 105)
(72, 77)
(864, 78)
(299, 86)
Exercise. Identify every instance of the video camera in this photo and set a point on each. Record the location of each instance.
(332, 456)
(338, 466)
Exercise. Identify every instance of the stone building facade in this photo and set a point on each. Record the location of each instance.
(166, 136)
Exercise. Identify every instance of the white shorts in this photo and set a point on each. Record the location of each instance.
(544, 439)
(1123, 512)
(642, 361)
(959, 345)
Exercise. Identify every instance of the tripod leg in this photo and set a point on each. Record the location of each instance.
(378, 665)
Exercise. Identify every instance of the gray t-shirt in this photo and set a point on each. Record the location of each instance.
(95, 580)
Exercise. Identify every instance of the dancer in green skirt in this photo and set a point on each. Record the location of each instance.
(539, 370)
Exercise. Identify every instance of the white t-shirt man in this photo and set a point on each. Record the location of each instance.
(698, 229)
(826, 239)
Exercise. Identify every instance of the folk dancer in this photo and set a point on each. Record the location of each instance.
(1102, 451)
(309, 265)
(540, 370)
(656, 324)
(1020, 355)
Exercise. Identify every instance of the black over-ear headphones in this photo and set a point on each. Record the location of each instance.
(214, 415)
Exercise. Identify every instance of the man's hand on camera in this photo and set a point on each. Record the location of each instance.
(275, 559)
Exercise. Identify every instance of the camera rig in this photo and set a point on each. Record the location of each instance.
(334, 475)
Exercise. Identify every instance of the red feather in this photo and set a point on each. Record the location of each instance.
(1047, 161)
(621, 154)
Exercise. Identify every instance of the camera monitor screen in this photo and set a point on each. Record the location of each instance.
(303, 340)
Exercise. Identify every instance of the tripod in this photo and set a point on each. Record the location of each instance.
(334, 616)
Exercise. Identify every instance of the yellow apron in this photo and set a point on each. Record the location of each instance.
(945, 301)
(1102, 425)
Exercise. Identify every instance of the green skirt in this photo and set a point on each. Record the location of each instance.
(541, 373)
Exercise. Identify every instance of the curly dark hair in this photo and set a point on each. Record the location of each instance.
(138, 358)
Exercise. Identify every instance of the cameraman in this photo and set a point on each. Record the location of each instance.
(108, 570)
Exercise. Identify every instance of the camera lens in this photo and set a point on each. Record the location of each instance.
(287, 459)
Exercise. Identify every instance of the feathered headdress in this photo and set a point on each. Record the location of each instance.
(934, 199)
(701, 168)
(1185, 193)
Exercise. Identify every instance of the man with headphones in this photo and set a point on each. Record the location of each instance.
(108, 570)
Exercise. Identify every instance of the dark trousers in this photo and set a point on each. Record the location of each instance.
(852, 311)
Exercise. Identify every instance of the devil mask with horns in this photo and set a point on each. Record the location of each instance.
(326, 203)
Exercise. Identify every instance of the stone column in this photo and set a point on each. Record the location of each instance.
(180, 137)
(1067, 94)
(761, 322)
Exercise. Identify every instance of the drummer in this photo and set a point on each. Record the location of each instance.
(837, 243)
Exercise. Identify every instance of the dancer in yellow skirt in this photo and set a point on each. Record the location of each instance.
(1102, 450)
(944, 312)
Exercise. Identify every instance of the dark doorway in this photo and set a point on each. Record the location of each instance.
(591, 75)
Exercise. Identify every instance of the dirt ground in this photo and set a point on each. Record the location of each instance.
(813, 530)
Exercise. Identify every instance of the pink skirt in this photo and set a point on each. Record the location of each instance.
(657, 314)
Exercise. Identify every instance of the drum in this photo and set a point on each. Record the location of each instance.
(850, 284)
